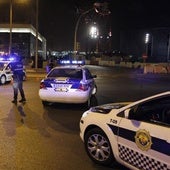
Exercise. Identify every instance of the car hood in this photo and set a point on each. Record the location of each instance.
(106, 108)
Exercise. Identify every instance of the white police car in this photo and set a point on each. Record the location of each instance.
(5, 69)
(5, 72)
(68, 84)
(135, 134)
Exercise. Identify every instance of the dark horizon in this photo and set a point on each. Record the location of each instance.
(129, 14)
(57, 19)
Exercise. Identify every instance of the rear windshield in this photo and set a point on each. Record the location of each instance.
(72, 73)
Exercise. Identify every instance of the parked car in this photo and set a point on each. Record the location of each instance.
(6, 63)
(135, 134)
(5, 72)
(68, 84)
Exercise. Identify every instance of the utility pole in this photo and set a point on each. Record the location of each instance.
(76, 28)
(36, 43)
(10, 25)
(168, 59)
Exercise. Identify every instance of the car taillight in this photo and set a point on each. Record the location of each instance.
(83, 87)
(42, 85)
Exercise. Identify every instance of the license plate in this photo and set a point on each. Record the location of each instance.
(61, 89)
(60, 86)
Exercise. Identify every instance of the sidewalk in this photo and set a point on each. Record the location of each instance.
(39, 73)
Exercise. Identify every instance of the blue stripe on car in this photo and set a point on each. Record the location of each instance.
(157, 144)
(75, 82)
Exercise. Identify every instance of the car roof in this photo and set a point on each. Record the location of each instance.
(69, 67)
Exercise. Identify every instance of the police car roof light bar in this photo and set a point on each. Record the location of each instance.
(72, 62)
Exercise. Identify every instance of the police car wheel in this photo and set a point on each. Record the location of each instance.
(3, 79)
(98, 147)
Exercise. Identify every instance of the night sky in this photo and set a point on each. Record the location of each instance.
(57, 19)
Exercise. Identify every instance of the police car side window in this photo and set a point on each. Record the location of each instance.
(88, 74)
(166, 116)
(153, 111)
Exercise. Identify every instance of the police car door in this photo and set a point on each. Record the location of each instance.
(144, 138)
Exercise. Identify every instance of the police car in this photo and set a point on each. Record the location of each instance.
(5, 70)
(135, 134)
(68, 83)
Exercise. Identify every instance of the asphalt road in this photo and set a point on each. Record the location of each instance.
(47, 138)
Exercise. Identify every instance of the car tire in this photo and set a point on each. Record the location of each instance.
(2, 79)
(94, 91)
(98, 147)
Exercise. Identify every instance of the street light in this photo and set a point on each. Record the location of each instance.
(100, 8)
(94, 34)
(76, 28)
(147, 39)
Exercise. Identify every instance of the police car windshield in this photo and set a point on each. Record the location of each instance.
(72, 73)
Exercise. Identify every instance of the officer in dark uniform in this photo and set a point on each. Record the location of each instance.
(18, 74)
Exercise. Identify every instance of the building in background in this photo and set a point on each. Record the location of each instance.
(23, 40)
(23, 29)
(153, 43)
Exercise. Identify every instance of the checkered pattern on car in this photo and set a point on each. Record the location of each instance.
(140, 161)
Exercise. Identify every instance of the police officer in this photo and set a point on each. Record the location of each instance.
(18, 74)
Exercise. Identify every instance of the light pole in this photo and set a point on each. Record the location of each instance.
(147, 39)
(10, 27)
(36, 43)
(76, 27)
(168, 51)
(11, 23)
(100, 8)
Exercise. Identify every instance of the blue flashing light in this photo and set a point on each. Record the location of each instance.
(65, 62)
(77, 62)
(7, 58)
(12, 59)
(72, 62)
